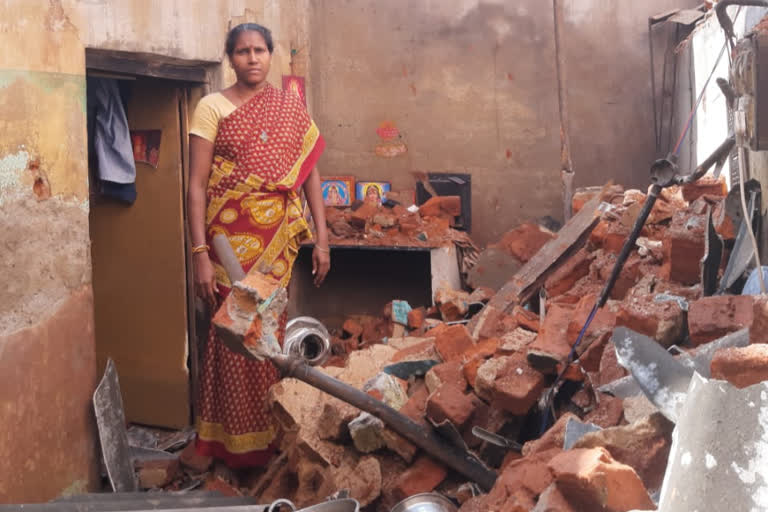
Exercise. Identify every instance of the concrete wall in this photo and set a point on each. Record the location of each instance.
(471, 87)
(47, 358)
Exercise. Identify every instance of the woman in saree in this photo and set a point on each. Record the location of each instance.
(252, 148)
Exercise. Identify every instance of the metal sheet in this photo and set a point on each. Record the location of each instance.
(719, 455)
(662, 378)
(113, 433)
(575, 430)
(742, 252)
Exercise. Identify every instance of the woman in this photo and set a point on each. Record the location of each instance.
(252, 147)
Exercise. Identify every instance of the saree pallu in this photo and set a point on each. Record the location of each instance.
(263, 153)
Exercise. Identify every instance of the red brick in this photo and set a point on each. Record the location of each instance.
(592, 480)
(525, 240)
(157, 473)
(552, 438)
(423, 476)
(706, 185)
(551, 346)
(526, 318)
(352, 328)
(191, 459)
(684, 248)
(565, 277)
(518, 386)
(486, 374)
(710, 318)
(609, 236)
(417, 352)
(416, 318)
(520, 483)
(724, 225)
(441, 206)
(514, 341)
(452, 342)
(445, 373)
(214, 483)
(449, 402)
(758, 333)
(453, 304)
(553, 500)
(608, 413)
(630, 274)
(741, 366)
(610, 369)
(362, 215)
(604, 321)
(470, 369)
(483, 349)
(416, 406)
(662, 321)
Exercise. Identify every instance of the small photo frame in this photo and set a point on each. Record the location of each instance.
(372, 191)
(338, 190)
(146, 146)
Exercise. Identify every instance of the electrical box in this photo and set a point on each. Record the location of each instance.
(749, 78)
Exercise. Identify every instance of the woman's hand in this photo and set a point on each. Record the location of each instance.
(205, 277)
(321, 263)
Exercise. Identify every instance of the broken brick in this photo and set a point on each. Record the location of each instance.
(608, 413)
(551, 345)
(485, 377)
(362, 215)
(552, 438)
(157, 473)
(610, 369)
(526, 318)
(449, 402)
(352, 328)
(332, 423)
(684, 248)
(518, 386)
(470, 369)
(704, 186)
(482, 294)
(421, 351)
(525, 241)
(439, 206)
(452, 342)
(758, 333)
(662, 321)
(453, 304)
(741, 366)
(592, 480)
(566, 276)
(416, 318)
(416, 406)
(517, 340)
(423, 476)
(710, 318)
(445, 373)
(483, 349)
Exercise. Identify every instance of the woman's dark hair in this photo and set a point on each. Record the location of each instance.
(229, 46)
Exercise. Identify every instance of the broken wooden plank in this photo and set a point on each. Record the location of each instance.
(533, 274)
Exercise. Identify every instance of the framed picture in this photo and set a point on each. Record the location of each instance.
(372, 191)
(338, 190)
(296, 85)
(146, 146)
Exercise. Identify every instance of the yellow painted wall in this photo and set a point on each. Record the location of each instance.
(47, 355)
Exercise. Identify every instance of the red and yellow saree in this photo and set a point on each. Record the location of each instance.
(263, 153)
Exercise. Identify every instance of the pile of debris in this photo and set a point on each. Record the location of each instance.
(393, 224)
(476, 367)
(445, 369)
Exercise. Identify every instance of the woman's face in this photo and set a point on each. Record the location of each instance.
(251, 58)
(372, 194)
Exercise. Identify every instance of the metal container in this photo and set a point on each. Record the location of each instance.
(308, 339)
(344, 505)
(426, 502)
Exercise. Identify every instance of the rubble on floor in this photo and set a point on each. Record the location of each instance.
(481, 376)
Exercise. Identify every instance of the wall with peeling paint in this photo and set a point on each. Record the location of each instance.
(471, 87)
(47, 348)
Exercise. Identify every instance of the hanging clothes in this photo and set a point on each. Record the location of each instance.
(113, 152)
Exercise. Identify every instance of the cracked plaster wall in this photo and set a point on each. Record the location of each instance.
(47, 347)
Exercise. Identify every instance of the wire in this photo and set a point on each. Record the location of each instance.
(748, 219)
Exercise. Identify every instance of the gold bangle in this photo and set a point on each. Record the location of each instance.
(200, 248)
(321, 249)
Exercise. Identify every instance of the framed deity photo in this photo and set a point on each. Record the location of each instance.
(372, 191)
(338, 190)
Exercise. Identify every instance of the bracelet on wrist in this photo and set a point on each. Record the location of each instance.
(323, 249)
(200, 249)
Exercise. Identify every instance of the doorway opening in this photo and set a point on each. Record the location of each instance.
(143, 300)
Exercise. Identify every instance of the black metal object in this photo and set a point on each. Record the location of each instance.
(725, 20)
(425, 438)
(450, 184)
(713, 255)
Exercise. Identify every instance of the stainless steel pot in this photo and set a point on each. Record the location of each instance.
(345, 505)
(426, 502)
(308, 339)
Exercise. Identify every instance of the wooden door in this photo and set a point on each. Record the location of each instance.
(139, 271)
